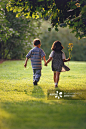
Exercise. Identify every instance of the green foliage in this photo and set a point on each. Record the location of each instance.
(69, 12)
(22, 105)
(28, 30)
(63, 35)
(16, 34)
(6, 32)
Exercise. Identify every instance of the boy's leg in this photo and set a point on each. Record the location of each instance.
(34, 71)
(36, 75)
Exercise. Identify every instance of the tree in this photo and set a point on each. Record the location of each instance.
(65, 37)
(16, 34)
(6, 32)
(27, 29)
(61, 12)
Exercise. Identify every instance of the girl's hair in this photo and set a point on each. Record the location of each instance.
(36, 42)
(57, 46)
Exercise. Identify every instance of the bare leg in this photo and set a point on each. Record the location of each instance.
(54, 77)
(57, 77)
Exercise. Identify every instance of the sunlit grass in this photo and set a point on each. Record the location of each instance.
(23, 106)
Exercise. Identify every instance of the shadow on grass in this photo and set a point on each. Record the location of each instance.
(37, 92)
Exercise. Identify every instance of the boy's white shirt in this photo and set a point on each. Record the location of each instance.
(63, 55)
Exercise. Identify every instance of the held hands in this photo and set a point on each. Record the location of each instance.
(45, 64)
(50, 58)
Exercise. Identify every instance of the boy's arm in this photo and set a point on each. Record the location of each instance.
(44, 59)
(65, 60)
(26, 62)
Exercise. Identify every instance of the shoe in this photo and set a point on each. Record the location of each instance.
(56, 86)
(35, 82)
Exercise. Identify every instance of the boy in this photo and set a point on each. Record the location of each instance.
(35, 56)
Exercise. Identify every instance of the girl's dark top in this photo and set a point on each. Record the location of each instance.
(57, 62)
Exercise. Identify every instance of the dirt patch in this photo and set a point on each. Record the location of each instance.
(1, 61)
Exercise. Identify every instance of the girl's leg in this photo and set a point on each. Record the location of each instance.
(54, 78)
(57, 77)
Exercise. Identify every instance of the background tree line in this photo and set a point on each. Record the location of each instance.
(65, 36)
(18, 31)
(60, 12)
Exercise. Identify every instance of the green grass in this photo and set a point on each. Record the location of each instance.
(23, 106)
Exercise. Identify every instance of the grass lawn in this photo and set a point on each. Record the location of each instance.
(23, 106)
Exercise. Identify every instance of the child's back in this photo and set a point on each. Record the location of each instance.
(57, 61)
(35, 55)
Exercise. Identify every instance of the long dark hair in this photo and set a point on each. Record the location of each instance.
(57, 46)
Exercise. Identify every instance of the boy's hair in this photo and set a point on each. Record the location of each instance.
(36, 42)
(57, 46)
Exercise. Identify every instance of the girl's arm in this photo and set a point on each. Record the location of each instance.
(65, 60)
(50, 58)
(26, 62)
(64, 57)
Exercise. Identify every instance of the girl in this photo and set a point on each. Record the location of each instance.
(58, 58)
